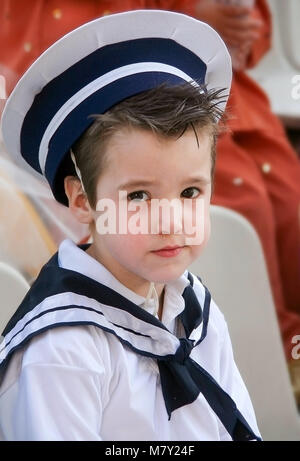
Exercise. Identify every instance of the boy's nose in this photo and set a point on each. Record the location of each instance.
(170, 219)
(171, 226)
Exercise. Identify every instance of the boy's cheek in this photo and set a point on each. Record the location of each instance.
(207, 228)
(132, 243)
(197, 223)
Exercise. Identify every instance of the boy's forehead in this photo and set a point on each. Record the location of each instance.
(95, 67)
(136, 152)
(128, 133)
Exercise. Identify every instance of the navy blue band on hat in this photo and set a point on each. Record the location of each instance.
(74, 120)
(99, 102)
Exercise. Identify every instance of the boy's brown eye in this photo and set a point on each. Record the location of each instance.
(191, 192)
(138, 195)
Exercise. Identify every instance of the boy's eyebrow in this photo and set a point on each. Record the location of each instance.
(197, 179)
(192, 179)
(138, 182)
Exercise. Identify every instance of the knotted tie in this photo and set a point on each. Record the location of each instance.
(182, 379)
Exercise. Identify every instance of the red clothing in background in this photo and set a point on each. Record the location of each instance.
(28, 28)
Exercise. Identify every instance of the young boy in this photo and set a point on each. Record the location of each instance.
(117, 340)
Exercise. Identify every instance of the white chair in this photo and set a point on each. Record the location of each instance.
(232, 266)
(281, 65)
(13, 288)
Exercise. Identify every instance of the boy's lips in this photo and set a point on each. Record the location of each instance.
(168, 251)
(169, 247)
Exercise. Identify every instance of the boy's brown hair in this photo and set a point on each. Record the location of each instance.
(166, 110)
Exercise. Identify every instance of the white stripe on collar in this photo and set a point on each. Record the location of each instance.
(53, 310)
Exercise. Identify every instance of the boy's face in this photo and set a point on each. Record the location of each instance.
(162, 168)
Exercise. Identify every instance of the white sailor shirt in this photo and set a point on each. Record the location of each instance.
(83, 383)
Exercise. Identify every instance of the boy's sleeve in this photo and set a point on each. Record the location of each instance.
(232, 382)
(56, 397)
(57, 403)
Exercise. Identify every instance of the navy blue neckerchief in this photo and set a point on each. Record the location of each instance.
(182, 379)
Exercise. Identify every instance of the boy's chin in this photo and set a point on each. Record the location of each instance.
(167, 276)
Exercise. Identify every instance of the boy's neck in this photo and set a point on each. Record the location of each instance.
(141, 288)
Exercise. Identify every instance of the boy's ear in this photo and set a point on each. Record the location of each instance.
(78, 201)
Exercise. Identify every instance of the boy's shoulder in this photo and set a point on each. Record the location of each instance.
(77, 346)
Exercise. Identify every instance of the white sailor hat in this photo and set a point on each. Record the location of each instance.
(96, 66)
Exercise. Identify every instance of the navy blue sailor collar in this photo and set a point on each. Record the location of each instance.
(61, 297)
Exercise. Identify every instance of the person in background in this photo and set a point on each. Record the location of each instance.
(27, 32)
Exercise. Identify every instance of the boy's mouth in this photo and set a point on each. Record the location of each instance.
(168, 251)
(169, 247)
